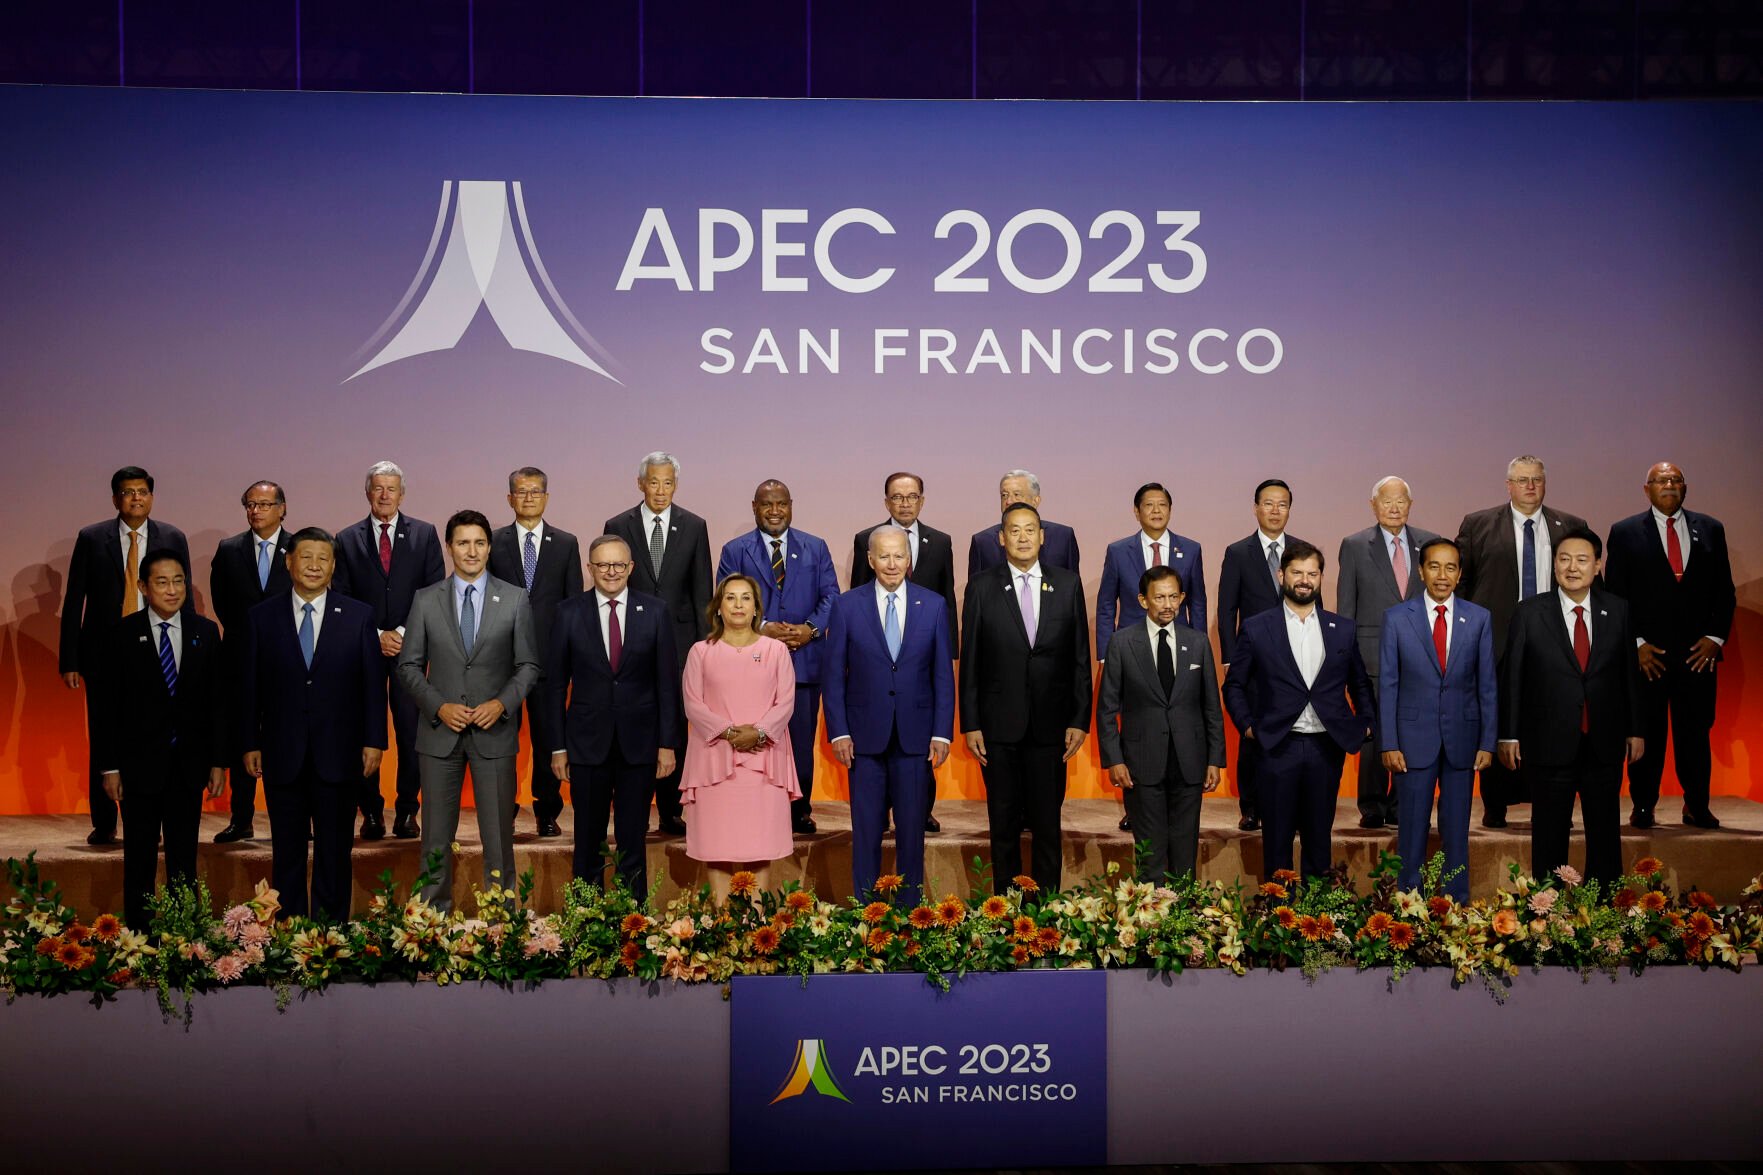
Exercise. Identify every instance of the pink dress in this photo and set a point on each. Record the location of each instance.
(738, 803)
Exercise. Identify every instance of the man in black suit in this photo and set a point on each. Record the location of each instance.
(531, 553)
(312, 700)
(248, 568)
(932, 563)
(1671, 565)
(160, 734)
(382, 561)
(103, 587)
(1025, 694)
(670, 553)
(613, 698)
(1508, 557)
(1248, 585)
(1570, 709)
(1059, 542)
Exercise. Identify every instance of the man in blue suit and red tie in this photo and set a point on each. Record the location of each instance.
(890, 708)
(1297, 686)
(1438, 712)
(1127, 559)
(795, 573)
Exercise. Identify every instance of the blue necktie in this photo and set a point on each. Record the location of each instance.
(168, 664)
(1528, 572)
(468, 620)
(891, 630)
(262, 564)
(306, 638)
(529, 562)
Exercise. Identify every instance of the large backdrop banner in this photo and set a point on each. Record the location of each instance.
(225, 287)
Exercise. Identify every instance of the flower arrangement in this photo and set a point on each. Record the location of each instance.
(1308, 924)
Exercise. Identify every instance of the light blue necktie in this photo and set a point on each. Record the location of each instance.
(891, 630)
(468, 620)
(306, 637)
(529, 561)
(262, 563)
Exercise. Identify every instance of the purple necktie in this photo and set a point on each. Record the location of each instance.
(1025, 599)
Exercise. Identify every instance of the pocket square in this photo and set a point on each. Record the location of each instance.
(1195, 665)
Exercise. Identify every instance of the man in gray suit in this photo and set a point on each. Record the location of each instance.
(469, 659)
(1379, 568)
(1161, 725)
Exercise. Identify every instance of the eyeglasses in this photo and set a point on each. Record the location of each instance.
(1525, 481)
(904, 499)
(528, 493)
(134, 493)
(1665, 481)
(611, 568)
(261, 505)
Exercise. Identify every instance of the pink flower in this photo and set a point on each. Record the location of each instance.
(228, 968)
(1542, 901)
(683, 929)
(546, 942)
(253, 955)
(236, 919)
(255, 934)
(1568, 874)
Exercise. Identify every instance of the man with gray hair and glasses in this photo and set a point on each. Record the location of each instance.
(1058, 541)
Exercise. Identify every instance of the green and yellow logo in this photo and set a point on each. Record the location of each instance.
(810, 1068)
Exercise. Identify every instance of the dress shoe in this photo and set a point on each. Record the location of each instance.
(931, 825)
(549, 827)
(1371, 822)
(101, 836)
(1126, 824)
(404, 827)
(672, 826)
(1641, 818)
(804, 826)
(1249, 824)
(237, 830)
(1700, 819)
(1493, 819)
(373, 826)
(1391, 820)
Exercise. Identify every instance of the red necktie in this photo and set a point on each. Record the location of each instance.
(614, 638)
(1582, 652)
(1438, 635)
(386, 547)
(1673, 551)
(1156, 554)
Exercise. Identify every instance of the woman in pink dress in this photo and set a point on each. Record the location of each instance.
(739, 776)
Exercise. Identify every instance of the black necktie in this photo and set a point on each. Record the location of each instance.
(1165, 662)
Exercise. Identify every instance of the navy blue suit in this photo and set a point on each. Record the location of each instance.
(233, 589)
(890, 708)
(311, 725)
(1117, 604)
(416, 563)
(1058, 549)
(1438, 721)
(1264, 692)
(810, 586)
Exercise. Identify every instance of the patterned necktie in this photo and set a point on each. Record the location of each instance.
(262, 564)
(1399, 565)
(307, 640)
(1582, 652)
(1439, 643)
(1025, 599)
(529, 560)
(777, 563)
(1527, 570)
(614, 636)
(386, 547)
(891, 630)
(168, 662)
(1673, 551)
(131, 576)
(1273, 562)
(1165, 662)
(468, 620)
(1156, 554)
(657, 547)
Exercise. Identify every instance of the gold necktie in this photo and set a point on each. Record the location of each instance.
(131, 573)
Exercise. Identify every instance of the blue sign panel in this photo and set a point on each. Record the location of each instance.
(885, 1072)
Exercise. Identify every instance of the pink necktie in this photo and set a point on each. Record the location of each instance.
(1399, 562)
(1025, 599)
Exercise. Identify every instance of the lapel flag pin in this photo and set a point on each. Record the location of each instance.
(639, 607)
(495, 599)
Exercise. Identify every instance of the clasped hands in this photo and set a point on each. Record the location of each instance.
(456, 716)
(794, 636)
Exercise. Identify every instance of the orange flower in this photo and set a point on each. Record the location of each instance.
(1505, 922)
(1401, 935)
(120, 977)
(634, 924)
(1652, 942)
(1647, 866)
(1674, 918)
(783, 920)
(1701, 925)
(107, 928)
(922, 917)
(1025, 883)
(1286, 918)
(1438, 905)
(1285, 875)
(71, 955)
(372, 950)
(744, 884)
(48, 946)
(994, 907)
(1048, 938)
(889, 882)
(1378, 924)
(1326, 924)
(1023, 927)
(951, 910)
(879, 939)
(1692, 945)
(630, 955)
(875, 911)
(1653, 901)
(1625, 898)
(765, 939)
(1273, 889)
(1703, 901)
(1310, 928)
(1019, 954)
(913, 947)
(799, 900)
(76, 931)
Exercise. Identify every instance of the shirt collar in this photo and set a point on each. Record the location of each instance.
(1659, 517)
(274, 540)
(395, 520)
(317, 601)
(1269, 538)
(1567, 604)
(1450, 602)
(649, 516)
(768, 539)
(1033, 572)
(123, 529)
(1156, 628)
(537, 530)
(1519, 518)
(1292, 617)
(1389, 538)
(460, 584)
(882, 593)
(175, 620)
(601, 599)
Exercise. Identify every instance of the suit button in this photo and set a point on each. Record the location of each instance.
(890, 693)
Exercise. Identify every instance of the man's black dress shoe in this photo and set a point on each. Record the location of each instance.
(672, 826)
(1641, 818)
(100, 836)
(1493, 820)
(235, 831)
(1249, 824)
(373, 826)
(931, 825)
(1371, 822)
(804, 826)
(549, 828)
(1126, 824)
(404, 827)
(1700, 819)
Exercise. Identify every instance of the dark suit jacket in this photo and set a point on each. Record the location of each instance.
(1366, 583)
(1665, 612)
(1058, 549)
(1265, 693)
(232, 581)
(810, 586)
(1431, 716)
(1013, 693)
(590, 703)
(326, 714)
(1244, 589)
(1117, 603)
(684, 583)
(1137, 722)
(154, 738)
(556, 577)
(933, 567)
(416, 563)
(1490, 561)
(868, 695)
(92, 604)
(1542, 689)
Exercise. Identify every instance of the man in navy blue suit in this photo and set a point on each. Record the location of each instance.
(1438, 712)
(1058, 541)
(890, 708)
(1127, 559)
(313, 722)
(796, 576)
(1297, 686)
(382, 561)
(612, 697)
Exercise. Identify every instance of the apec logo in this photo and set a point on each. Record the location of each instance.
(482, 265)
(810, 1068)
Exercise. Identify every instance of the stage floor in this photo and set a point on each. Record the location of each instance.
(1722, 861)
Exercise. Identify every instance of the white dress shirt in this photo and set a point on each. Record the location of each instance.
(602, 602)
(1449, 604)
(1166, 554)
(317, 613)
(1567, 607)
(1305, 635)
(1545, 553)
(1278, 543)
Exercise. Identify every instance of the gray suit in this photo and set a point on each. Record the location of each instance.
(1366, 589)
(1166, 740)
(434, 669)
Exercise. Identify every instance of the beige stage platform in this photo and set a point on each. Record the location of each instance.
(1721, 861)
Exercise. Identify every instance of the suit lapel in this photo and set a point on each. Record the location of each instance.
(872, 624)
(1147, 661)
(1015, 606)
(1558, 624)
